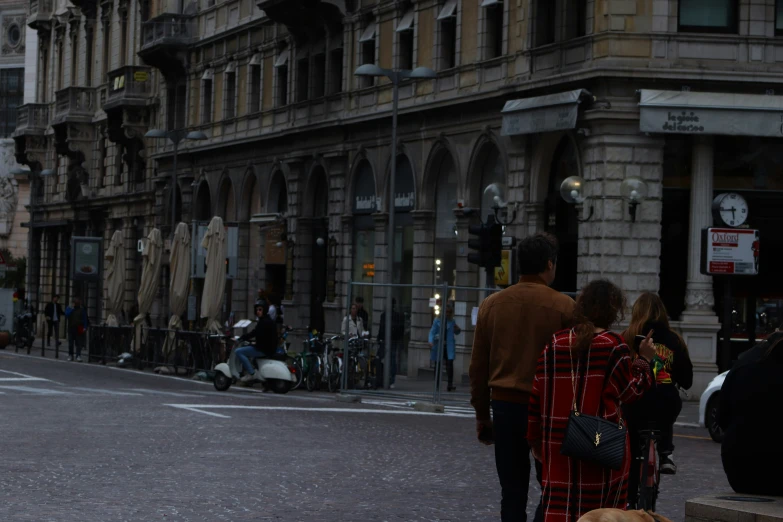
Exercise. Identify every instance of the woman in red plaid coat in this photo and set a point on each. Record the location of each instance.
(604, 376)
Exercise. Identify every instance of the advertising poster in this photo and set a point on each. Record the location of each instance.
(730, 251)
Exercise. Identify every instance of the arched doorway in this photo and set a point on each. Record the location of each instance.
(278, 260)
(319, 203)
(445, 253)
(492, 172)
(561, 217)
(250, 205)
(226, 204)
(402, 261)
(203, 210)
(365, 203)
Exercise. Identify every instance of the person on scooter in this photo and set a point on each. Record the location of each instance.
(266, 337)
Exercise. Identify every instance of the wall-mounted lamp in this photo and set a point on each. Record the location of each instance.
(572, 190)
(498, 192)
(634, 191)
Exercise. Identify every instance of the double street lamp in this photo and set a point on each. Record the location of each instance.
(176, 136)
(396, 77)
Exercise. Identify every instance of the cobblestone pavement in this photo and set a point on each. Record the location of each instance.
(88, 443)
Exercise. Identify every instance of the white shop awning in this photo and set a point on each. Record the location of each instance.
(551, 112)
(731, 114)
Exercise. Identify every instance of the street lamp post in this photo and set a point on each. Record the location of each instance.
(396, 77)
(176, 136)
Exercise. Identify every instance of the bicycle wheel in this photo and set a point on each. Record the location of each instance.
(648, 485)
(333, 382)
(296, 362)
(314, 375)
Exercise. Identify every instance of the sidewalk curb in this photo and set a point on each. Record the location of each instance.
(353, 399)
(687, 425)
(428, 407)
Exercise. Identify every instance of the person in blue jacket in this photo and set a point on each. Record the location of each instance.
(449, 350)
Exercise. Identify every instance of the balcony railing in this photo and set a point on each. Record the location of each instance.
(129, 86)
(75, 104)
(32, 118)
(174, 30)
(40, 11)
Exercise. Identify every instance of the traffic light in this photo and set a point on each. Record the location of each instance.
(488, 244)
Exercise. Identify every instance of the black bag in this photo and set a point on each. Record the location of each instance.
(593, 439)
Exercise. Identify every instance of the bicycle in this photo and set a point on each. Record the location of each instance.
(357, 364)
(650, 474)
(324, 363)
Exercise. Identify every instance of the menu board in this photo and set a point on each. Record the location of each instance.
(86, 258)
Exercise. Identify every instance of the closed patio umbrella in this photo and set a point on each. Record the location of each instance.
(179, 269)
(150, 274)
(115, 277)
(215, 280)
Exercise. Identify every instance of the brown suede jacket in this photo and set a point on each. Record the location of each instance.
(513, 328)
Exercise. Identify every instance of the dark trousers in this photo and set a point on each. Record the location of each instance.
(449, 364)
(54, 328)
(658, 410)
(75, 339)
(512, 459)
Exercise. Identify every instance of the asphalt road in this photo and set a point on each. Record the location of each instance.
(89, 443)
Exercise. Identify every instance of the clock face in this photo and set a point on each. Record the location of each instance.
(731, 209)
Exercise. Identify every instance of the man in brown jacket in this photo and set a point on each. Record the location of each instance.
(513, 328)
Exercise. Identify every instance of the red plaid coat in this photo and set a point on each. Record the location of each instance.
(605, 376)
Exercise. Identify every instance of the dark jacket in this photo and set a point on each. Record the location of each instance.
(365, 318)
(749, 404)
(672, 364)
(265, 334)
(513, 328)
(77, 317)
(49, 311)
(398, 327)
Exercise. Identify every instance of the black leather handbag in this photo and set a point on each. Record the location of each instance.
(593, 439)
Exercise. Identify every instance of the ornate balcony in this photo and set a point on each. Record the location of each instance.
(32, 119)
(75, 105)
(40, 14)
(129, 86)
(89, 8)
(165, 40)
(304, 17)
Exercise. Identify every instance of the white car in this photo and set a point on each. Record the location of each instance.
(708, 407)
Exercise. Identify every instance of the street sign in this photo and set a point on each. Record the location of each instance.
(141, 76)
(503, 272)
(729, 251)
(509, 241)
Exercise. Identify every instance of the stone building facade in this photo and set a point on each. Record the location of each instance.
(298, 150)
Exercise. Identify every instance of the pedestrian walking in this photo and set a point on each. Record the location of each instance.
(397, 333)
(353, 324)
(661, 405)
(78, 323)
(449, 349)
(585, 370)
(512, 328)
(362, 312)
(53, 311)
(751, 451)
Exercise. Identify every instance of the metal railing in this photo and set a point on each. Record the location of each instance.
(130, 85)
(75, 103)
(168, 29)
(32, 118)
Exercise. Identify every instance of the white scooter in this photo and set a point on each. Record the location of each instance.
(274, 374)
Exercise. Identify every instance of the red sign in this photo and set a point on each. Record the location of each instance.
(721, 267)
(730, 251)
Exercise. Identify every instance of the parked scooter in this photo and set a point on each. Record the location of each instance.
(271, 372)
(23, 331)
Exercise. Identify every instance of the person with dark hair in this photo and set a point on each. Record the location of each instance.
(512, 328)
(751, 451)
(53, 312)
(362, 312)
(589, 368)
(266, 336)
(78, 322)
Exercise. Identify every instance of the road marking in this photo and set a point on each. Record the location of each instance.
(158, 392)
(199, 408)
(19, 377)
(694, 437)
(687, 425)
(37, 391)
(106, 392)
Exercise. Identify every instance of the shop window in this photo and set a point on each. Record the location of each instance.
(319, 75)
(447, 25)
(336, 71)
(367, 49)
(255, 88)
(281, 70)
(206, 100)
(708, 16)
(575, 18)
(493, 28)
(779, 17)
(230, 94)
(11, 97)
(544, 23)
(405, 40)
(303, 79)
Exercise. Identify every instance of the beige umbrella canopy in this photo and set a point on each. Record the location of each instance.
(179, 284)
(115, 277)
(215, 280)
(150, 274)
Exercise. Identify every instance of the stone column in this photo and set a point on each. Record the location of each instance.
(699, 323)
(421, 317)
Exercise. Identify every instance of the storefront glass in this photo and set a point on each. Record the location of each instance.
(402, 267)
(365, 203)
(445, 251)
